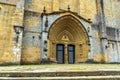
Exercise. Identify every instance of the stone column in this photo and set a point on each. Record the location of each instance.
(66, 54)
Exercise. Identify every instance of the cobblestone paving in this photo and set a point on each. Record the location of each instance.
(61, 67)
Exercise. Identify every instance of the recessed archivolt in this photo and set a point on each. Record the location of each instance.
(68, 30)
(65, 34)
(70, 26)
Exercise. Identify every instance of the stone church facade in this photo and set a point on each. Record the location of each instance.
(60, 31)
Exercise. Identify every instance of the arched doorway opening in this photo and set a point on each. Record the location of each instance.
(60, 53)
(71, 54)
(68, 41)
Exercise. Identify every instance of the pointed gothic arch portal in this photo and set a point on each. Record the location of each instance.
(68, 33)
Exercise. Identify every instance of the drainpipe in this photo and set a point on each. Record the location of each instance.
(41, 37)
(117, 31)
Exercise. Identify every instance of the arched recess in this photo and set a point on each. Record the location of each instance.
(68, 30)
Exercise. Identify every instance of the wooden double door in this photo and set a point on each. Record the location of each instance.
(60, 53)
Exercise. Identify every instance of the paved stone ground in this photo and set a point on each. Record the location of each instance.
(60, 67)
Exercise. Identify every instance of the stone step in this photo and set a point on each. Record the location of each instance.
(57, 73)
(116, 77)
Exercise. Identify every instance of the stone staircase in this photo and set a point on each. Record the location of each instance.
(61, 75)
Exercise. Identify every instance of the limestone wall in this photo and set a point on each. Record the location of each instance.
(9, 14)
(112, 18)
(85, 8)
(31, 54)
(112, 10)
(17, 12)
(31, 48)
(6, 33)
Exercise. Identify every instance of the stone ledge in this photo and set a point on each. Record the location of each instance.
(117, 77)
